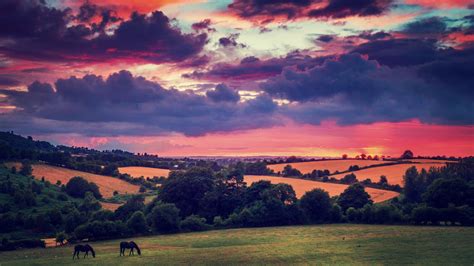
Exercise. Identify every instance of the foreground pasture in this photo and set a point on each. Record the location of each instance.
(138, 171)
(302, 186)
(324, 244)
(394, 173)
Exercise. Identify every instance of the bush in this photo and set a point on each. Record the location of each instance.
(137, 223)
(194, 223)
(316, 204)
(164, 218)
(354, 196)
(78, 186)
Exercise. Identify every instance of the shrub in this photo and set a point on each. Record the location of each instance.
(194, 223)
(78, 186)
(137, 223)
(316, 204)
(164, 218)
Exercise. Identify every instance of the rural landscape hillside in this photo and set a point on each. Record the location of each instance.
(236, 132)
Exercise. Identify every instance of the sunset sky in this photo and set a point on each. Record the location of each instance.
(241, 77)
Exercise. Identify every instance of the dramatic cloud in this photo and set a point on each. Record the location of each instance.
(39, 32)
(222, 93)
(231, 41)
(353, 90)
(127, 105)
(204, 25)
(252, 68)
(267, 10)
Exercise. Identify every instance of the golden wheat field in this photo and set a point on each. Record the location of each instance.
(110, 206)
(138, 171)
(331, 165)
(429, 161)
(107, 184)
(301, 186)
(394, 173)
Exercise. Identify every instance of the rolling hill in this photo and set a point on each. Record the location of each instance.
(138, 171)
(331, 165)
(301, 186)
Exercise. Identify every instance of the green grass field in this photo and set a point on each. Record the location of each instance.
(363, 244)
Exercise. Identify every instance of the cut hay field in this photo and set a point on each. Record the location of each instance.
(394, 173)
(110, 206)
(302, 245)
(331, 165)
(301, 186)
(107, 184)
(138, 171)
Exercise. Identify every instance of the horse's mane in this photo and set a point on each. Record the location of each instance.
(136, 246)
(92, 250)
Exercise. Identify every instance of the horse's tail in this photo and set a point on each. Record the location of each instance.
(92, 251)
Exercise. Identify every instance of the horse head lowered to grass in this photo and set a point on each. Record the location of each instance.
(129, 245)
(83, 248)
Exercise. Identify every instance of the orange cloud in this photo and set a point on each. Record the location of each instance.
(440, 4)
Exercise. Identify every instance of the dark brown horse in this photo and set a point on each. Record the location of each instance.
(129, 245)
(83, 248)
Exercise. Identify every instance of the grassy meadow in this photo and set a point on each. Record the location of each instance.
(324, 244)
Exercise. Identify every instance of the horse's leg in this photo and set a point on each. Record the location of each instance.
(73, 254)
(121, 251)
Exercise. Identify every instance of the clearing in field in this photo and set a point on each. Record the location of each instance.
(394, 173)
(302, 245)
(138, 171)
(107, 184)
(331, 165)
(110, 206)
(302, 186)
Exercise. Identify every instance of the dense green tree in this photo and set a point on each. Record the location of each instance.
(78, 186)
(289, 171)
(407, 155)
(194, 223)
(137, 223)
(349, 179)
(133, 204)
(413, 185)
(444, 192)
(187, 189)
(316, 204)
(354, 196)
(164, 218)
(26, 169)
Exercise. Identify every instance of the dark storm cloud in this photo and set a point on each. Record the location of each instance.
(38, 32)
(127, 105)
(400, 52)
(344, 8)
(252, 68)
(354, 90)
(265, 10)
(204, 25)
(7, 80)
(432, 25)
(231, 41)
(325, 38)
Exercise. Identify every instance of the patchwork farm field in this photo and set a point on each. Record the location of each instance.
(331, 165)
(301, 186)
(321, 245)
(107, 184)
(394, 173)
(138, 171)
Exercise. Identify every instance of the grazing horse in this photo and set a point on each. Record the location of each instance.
(83, 248)
(129, 245)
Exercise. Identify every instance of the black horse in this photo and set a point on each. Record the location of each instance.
(129, 245)
(83, 248)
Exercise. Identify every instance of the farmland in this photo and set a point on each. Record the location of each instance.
(107, 184)
(331, 165)
(301, 186)
(394, 173)
(138, 171)
(322, 244)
